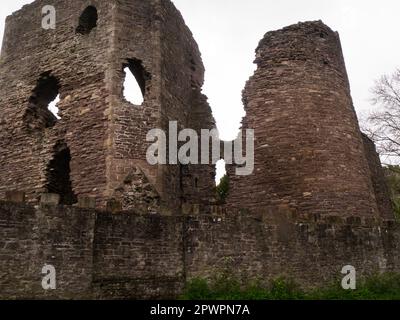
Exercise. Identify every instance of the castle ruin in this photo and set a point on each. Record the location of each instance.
(97, 148)
(79, 194)
(310, 155)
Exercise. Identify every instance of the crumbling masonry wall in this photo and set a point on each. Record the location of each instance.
(104, 134)
(154, 34)
(381, 188)
(315, 203)
(79, 64)
(309, 152)
(129, 256)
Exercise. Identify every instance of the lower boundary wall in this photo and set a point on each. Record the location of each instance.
(100, 255)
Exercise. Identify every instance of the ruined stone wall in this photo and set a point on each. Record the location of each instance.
(135, 37)
(312, 251)
(198, 181)
(33, 238)
(380, 185)
(183, 77)
(96, 255)
(309, 153)
(79, 64)
(138, 256)
(102, 135)
(154, 33)
(124, 255)
(311, 206)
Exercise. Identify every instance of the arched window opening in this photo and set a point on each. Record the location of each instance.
(58, 175)
(87, 20)
(135, 81)
(42, 111)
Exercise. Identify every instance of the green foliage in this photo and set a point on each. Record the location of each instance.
(223, 188)
(396, 208)
(284, 289)
(197, 289)
(392, 174)
(376, 287)
(225, 287)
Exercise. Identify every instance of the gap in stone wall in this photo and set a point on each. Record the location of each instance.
(135, 82)
(132, 91)
(42, 111)
(87, 20)
(58, 175)
(221, 171)
(53, 107)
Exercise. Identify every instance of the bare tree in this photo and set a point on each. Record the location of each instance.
(384, 124)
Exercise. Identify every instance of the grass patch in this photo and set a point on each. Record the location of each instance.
(225, 287)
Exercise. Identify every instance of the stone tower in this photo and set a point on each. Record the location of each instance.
(98, 146)
(309, 152)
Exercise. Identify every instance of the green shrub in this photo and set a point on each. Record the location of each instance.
(226, 287)
(396, 208)
(197, 289)
(284, 289)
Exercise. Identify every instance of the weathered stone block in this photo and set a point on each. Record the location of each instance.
(50, 199)
(186, 208)
(86, 202)
(15, 196)
(196, 209)
(113, 206)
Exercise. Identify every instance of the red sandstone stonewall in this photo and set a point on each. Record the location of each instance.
(309, 152)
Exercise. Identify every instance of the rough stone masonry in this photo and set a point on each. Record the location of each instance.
(79, 194)
(100, 141)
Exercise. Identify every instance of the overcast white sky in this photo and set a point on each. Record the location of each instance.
(228, 32)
